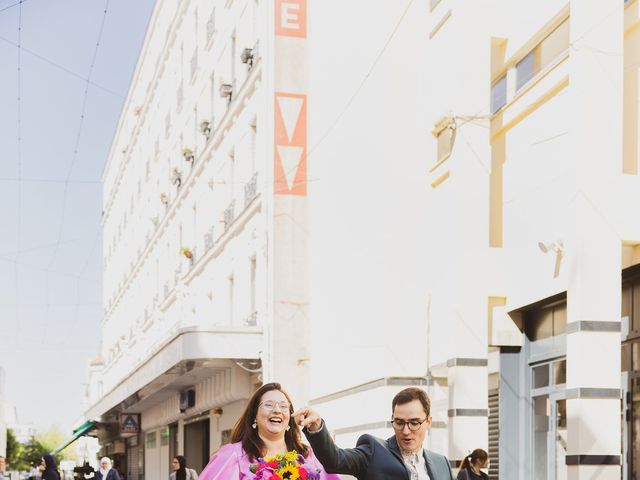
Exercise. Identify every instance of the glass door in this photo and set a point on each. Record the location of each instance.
(549, 408)
(559, 433)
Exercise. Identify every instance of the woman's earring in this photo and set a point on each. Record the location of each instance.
(254, 425)
(288, 427)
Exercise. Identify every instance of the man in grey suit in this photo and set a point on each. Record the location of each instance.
(401, 457)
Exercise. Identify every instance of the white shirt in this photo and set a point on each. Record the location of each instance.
(416, 464)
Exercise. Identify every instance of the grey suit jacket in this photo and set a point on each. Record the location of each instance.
(372, 459)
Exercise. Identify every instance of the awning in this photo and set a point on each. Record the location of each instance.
(213, 350)
(82, 430)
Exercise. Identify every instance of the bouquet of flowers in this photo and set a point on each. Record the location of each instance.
(289, 466)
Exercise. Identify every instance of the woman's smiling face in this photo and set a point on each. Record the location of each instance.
(273, 414)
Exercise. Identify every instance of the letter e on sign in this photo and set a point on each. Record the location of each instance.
(291, 18)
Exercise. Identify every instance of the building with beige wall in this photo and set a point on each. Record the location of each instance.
(354, 197)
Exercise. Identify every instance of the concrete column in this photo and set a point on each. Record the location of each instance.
(594, 249)
(180, 442)
(468, 409)
(289, 336)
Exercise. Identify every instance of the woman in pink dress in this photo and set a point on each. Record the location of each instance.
(265, 429)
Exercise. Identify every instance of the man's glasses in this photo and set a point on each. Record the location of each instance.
(413, 424)
(271, 406)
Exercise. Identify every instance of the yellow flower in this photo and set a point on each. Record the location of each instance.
(291, 456)
(290, 472)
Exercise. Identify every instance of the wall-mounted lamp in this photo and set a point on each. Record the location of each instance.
(226, 90)
(216, 412)
(558, 248)
(247, 56)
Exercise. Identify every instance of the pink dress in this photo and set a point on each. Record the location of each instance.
(231, 463)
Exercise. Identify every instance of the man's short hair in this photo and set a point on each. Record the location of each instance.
(410, 394)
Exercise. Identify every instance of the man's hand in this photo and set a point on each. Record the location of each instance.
(306, 417)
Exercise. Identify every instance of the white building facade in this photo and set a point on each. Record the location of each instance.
(354, 197)
(199, 221)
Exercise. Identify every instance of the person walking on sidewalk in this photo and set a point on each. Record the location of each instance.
(470, 468)
(181, 472)
(400, 457)
(49, 468)
(106, 470)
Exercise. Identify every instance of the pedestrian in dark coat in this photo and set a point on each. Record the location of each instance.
(106, 471)
(50, 468)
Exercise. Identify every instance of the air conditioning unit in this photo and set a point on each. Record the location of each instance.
(187, 399)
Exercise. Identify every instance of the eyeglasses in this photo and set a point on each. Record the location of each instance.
(271, 406)
(413, 424)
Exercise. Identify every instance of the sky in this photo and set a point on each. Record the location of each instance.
(65, 70)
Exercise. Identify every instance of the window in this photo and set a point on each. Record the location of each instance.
(444, 131)
(543, 54)
(524, 70)
(445, 142)
(252, 299)
(231, 293)
(179, 96)
(194, 63)
(164, 437)
(211, 25)
(151, 440)
(233, 61)
(499, 94)
(167, 124)
(213, 101)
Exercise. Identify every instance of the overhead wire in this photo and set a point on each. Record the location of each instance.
(79, 132)
(63, 68)
(358, 89)
(19, 189)
(46, 180)
(70, 169)
(17, 4)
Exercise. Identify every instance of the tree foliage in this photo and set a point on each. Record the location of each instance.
(23, 456)
(14, 450)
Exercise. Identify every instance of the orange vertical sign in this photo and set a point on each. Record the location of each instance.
(291, 18)
(290, 170)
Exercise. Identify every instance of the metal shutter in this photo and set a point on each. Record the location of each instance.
(494, 435)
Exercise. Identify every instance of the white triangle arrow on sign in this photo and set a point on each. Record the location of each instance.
(290, 158)
(290, 110)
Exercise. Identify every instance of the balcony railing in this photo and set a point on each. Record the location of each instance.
(251, 189)
(208, 239)
(228, 215)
